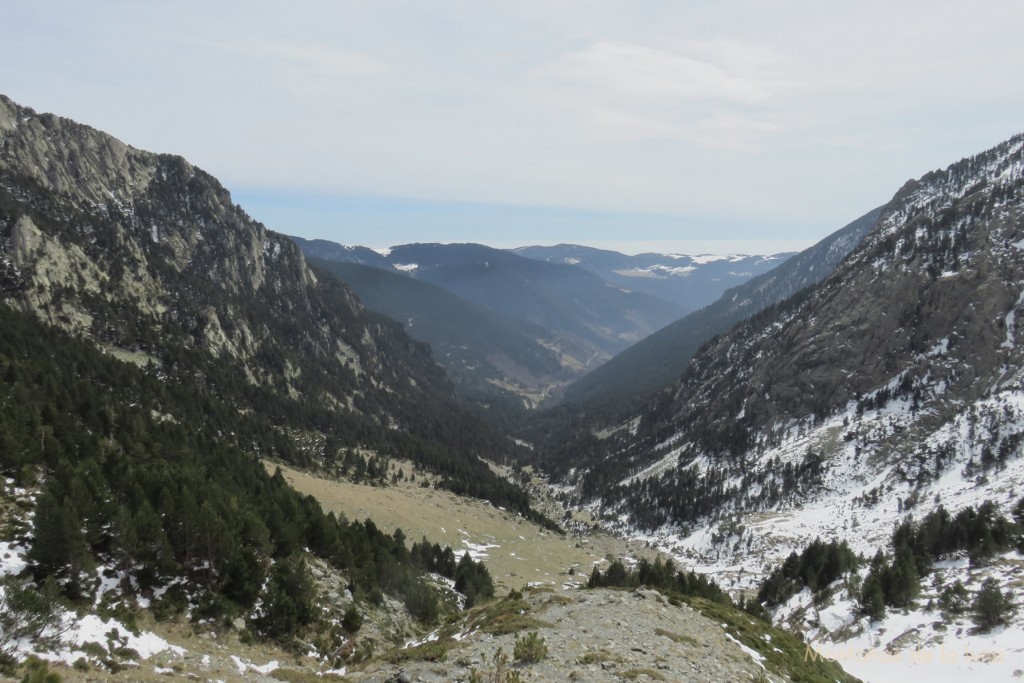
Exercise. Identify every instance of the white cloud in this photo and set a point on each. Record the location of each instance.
(635, 71)
(718, 94)
(324, 60)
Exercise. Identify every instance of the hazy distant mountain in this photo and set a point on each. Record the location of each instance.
(688, 281)
(587, 319)
(658, 360)
(486, 354)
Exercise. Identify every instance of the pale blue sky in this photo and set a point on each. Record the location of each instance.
(741, 126)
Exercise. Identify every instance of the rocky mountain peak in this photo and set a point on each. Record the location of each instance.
(147, 254)
(70, 158)
(895, 373)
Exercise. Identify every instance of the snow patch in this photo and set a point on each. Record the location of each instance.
(12, 559)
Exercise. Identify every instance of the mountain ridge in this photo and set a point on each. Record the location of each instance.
(587, 319)
(487, 355)
(148, 256)
(889, 391)
(691, 281)
(653, 363)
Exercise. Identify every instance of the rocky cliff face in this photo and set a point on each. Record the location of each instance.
(148, 255)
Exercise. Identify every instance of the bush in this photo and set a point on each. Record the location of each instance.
(530, 648)
(352, 620)
(991, 607)
(29, 612)
(499, 673)
(953, 600)
(37, 671)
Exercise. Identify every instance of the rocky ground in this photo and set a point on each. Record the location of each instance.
(590, 635)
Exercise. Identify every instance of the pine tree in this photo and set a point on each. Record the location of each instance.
(288, 602)
(991, 606)
(872, 597)
(58, 547)
(352, 620)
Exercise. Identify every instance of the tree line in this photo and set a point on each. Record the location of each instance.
(148, 477)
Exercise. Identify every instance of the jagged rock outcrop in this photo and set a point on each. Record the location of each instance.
(148, 254)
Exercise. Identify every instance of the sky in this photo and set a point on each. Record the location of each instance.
(752, 126)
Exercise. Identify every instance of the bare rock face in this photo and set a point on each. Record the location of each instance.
(148, 254)
(71, 159)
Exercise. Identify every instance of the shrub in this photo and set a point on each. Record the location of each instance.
(499, 673)
(37, 671)
(29, 612)
(953, 600)
(991, 607)
(530, 648)
(352, 620)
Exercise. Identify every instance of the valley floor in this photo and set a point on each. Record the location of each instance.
(517, 552)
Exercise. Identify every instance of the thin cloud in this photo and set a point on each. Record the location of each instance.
(311, 60)
(329, 61)
(715, 94)
(622, 69)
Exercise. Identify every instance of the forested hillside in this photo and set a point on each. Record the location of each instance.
(154, 481)
(157, 345)
(655, 362)
(147, 256)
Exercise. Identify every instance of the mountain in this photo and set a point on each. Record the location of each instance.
(657, 360)
(688, 281)
(889, 395)
(147, 256)
(588, 319)
(342, 253)
(159, 352)
(487, 356)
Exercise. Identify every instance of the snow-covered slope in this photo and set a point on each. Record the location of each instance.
(894, 386)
